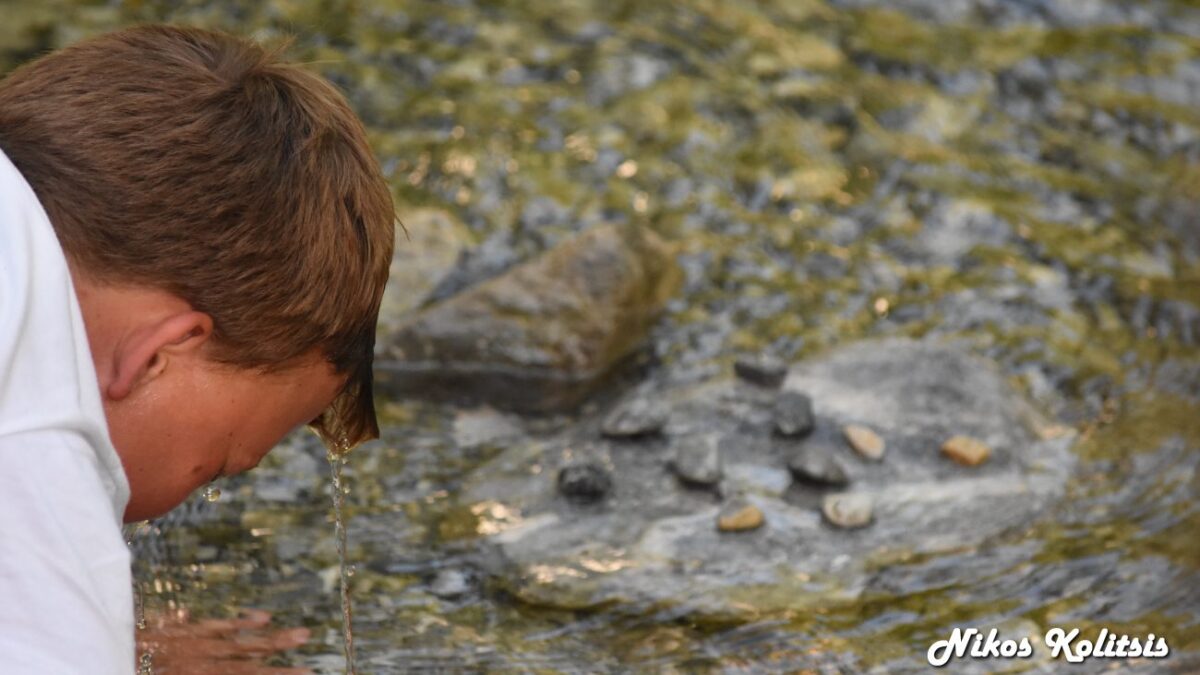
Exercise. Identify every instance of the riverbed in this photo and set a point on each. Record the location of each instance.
(1019, 177)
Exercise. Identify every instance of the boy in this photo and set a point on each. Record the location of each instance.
(194, 240)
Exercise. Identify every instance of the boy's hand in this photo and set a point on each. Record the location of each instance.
(218, 646)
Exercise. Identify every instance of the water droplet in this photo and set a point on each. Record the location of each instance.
(211, 493)
(146, 664)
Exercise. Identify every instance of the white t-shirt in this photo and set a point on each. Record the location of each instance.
(66, 601)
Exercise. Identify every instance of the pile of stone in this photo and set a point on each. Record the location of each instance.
(795, 481)
(697, 460)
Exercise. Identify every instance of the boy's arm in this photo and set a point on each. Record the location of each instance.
(64, 567)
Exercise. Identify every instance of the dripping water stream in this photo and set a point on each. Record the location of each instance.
(338, 489)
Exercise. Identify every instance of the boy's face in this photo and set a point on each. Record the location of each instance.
(201, 420)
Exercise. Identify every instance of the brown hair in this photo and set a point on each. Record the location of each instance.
(199, 163)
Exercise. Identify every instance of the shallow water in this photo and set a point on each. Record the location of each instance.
(1024, 175)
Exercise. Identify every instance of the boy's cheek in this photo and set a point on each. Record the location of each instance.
(166, 457)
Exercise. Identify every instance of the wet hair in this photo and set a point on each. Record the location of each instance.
(201, 164)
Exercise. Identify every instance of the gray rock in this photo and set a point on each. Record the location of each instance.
(697, 460)
(848, 510)
(816, 465)
(426, 251)
(762, 369)
(954, 227)
(636, 417)
(755, 478)
(490, 259)
(657, 542)
(541, 336)
(450, 584)
(585, 481)
(483, 426)
(794, 414)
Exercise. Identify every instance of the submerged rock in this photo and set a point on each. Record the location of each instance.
(756, 479)
(636, 417)
(847, 510)
(541, 336)
(450, 584)
(816, 465)
(864, 441)
(585, 481)
(739, 515)
(697, 460)
(794, 414)
(966, 450)
(763, 369)
(658, 543)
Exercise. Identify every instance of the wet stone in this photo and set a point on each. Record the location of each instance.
(794, 414)
(847, 510)
(761, 369)
(449, 584)
(966, 450)
(697, 460)
(864, 441)
(637, 417)
(738, 515)
(584, 481)
(816, 465)
(755, 479)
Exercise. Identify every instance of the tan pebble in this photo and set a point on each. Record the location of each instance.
(1054, 431)
(966, 450)
(864, 441)
(739, 518)
(848, 510)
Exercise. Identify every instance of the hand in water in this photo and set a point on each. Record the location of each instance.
(218, 646)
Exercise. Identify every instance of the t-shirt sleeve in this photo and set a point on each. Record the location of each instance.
(65, 585)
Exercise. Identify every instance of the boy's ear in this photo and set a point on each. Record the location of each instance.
(144, 355)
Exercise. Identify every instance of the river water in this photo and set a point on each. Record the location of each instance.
(1023, 175)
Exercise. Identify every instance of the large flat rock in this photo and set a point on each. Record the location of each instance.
(654, 542)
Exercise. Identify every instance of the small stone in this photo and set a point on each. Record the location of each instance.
(762, 369)
(637, 417)
(739, 516)
(864, 441)
(450, 584)
(847, 510)
(698, 460)
(584, 481)
(755, 479)
(966, 450)
(816, 465)
(793, 414)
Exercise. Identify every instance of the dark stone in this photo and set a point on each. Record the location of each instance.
(584, 481)
(762, 369)
(636, 417)
(794, 414)
(816, 465)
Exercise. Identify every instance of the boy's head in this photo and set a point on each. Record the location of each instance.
(229, 233)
